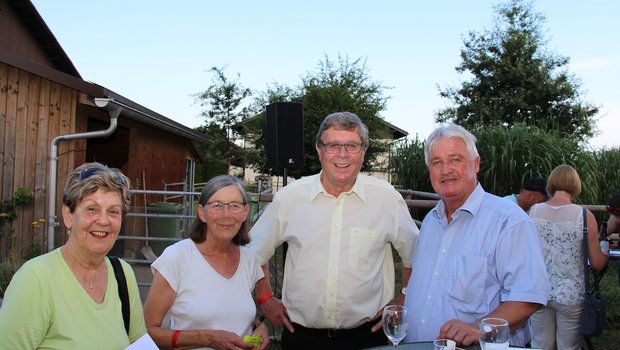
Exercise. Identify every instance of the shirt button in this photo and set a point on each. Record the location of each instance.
(443, 250)
(429, 296)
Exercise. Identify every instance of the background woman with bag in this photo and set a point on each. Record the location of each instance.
(560, 225)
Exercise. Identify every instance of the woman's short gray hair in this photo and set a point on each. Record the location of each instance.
(90, 177)
(450, 130)
(344, 121)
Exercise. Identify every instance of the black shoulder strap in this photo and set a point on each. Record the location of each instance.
(122, 289)
(584, 243)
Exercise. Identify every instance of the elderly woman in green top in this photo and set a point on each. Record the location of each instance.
(68, 298)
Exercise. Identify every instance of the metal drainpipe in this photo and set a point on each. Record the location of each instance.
(114, 110)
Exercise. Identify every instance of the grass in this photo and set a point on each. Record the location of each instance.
(610, 289)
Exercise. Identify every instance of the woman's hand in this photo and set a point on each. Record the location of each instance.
(224, 340)
(264, 332)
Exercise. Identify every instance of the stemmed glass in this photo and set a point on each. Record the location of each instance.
(494, 334)
(395, 323)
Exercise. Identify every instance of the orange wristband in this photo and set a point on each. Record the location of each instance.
(175, 338)
(264, 297)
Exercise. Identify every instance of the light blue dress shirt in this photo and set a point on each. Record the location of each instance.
(488, 254)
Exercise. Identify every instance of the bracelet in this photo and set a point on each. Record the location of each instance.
(175, 338)
(264, 297)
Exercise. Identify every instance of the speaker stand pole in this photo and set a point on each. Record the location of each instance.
(285, 244)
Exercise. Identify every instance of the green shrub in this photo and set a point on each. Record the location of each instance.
(7, 270)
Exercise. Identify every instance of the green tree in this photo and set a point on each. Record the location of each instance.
(514, 79)
(408, 168)
(335, 86)
(222, 101)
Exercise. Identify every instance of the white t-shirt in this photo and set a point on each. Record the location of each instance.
(205, 299)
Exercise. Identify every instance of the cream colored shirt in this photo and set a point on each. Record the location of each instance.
(339, 267)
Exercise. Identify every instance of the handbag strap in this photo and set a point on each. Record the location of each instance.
(586, 267)
(122, 289)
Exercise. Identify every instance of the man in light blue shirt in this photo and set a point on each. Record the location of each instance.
(477, 256)
(532, 191)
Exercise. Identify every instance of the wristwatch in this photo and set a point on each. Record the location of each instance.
(403, 291)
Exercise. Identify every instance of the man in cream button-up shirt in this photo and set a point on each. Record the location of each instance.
(340, 227)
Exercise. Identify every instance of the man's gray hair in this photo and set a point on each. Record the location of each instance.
(344, 121)
(450, 130)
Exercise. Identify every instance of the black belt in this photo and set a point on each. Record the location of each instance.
(334, 332)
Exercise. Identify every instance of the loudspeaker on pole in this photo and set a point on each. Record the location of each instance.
(284, 136)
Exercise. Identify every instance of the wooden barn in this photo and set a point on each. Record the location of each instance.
(51, 120)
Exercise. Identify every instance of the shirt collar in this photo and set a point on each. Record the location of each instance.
(472, 204)
(317, 188)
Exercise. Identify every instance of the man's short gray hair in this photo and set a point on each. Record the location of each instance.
(450, 130)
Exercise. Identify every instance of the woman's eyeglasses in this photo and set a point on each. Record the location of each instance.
(218, 207)
(86, 173)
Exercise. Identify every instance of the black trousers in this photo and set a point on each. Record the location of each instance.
(333, 339)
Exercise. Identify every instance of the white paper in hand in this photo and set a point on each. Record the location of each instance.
(145, 342)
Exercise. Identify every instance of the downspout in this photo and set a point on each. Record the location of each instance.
(114, 110)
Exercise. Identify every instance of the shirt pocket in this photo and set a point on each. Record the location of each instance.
(364, 247)
(468, 282)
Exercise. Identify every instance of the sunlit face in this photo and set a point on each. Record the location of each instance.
(223, 225)
(96, 221)
(340, 169)
(452, 170)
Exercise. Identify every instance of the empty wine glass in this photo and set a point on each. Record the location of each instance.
(444, 344)
(395, 323)
(494, 334)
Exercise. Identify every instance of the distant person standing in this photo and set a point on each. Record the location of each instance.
(560, 225)
(613, 223)
(532, 191)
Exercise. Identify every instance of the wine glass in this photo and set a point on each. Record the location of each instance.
(494, 334)
(444, 344)
(395, 323)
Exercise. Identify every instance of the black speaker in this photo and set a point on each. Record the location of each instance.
(284, 136)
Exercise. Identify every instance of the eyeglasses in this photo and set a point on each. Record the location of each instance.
(86, 173)
(218, 207)
(334, 147)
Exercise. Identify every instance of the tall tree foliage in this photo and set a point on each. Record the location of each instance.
(514, 79)
(335, 86)
(222, 101)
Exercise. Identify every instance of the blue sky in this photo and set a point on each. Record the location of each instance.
(158, 53)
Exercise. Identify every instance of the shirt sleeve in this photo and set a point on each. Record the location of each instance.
(168, 264)
(523, 276)
(407, 233)
(26, 311)
(265, 235)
